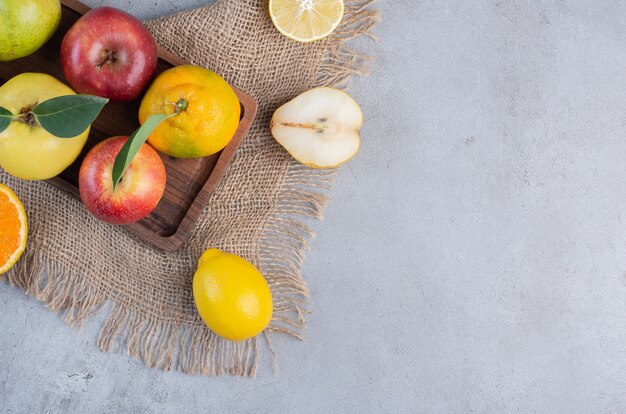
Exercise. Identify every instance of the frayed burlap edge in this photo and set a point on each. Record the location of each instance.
(285, 239)
(165, 344)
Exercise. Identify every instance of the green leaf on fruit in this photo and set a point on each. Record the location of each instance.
(5, 118)
(132, 146)
(70, 115)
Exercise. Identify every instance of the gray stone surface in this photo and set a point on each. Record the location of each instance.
(472, 258)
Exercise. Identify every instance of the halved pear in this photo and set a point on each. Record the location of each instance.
(319, 128)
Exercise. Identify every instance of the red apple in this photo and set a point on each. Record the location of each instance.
(137, 193)
(109, 53)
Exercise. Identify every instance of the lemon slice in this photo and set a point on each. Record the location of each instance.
(306, 20)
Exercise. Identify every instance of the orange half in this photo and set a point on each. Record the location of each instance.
(13, 228)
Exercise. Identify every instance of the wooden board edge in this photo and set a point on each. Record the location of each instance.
(76, 5)
(176, 240)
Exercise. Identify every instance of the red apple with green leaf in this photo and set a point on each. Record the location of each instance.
(109, 53)
(135, 195)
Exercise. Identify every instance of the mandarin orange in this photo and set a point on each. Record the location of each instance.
(208, 112)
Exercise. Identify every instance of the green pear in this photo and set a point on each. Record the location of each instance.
(25, 25)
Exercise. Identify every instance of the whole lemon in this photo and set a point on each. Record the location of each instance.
(231, 296)
(27, 150)
(25, 25)
(208, 112)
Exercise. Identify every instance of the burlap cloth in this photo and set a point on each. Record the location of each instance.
(75, 264)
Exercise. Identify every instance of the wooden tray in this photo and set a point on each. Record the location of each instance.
(190, 182)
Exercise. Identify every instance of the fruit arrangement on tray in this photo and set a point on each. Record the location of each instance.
(184, 112)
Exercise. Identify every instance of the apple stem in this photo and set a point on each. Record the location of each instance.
(109, 57)
(28, 118)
